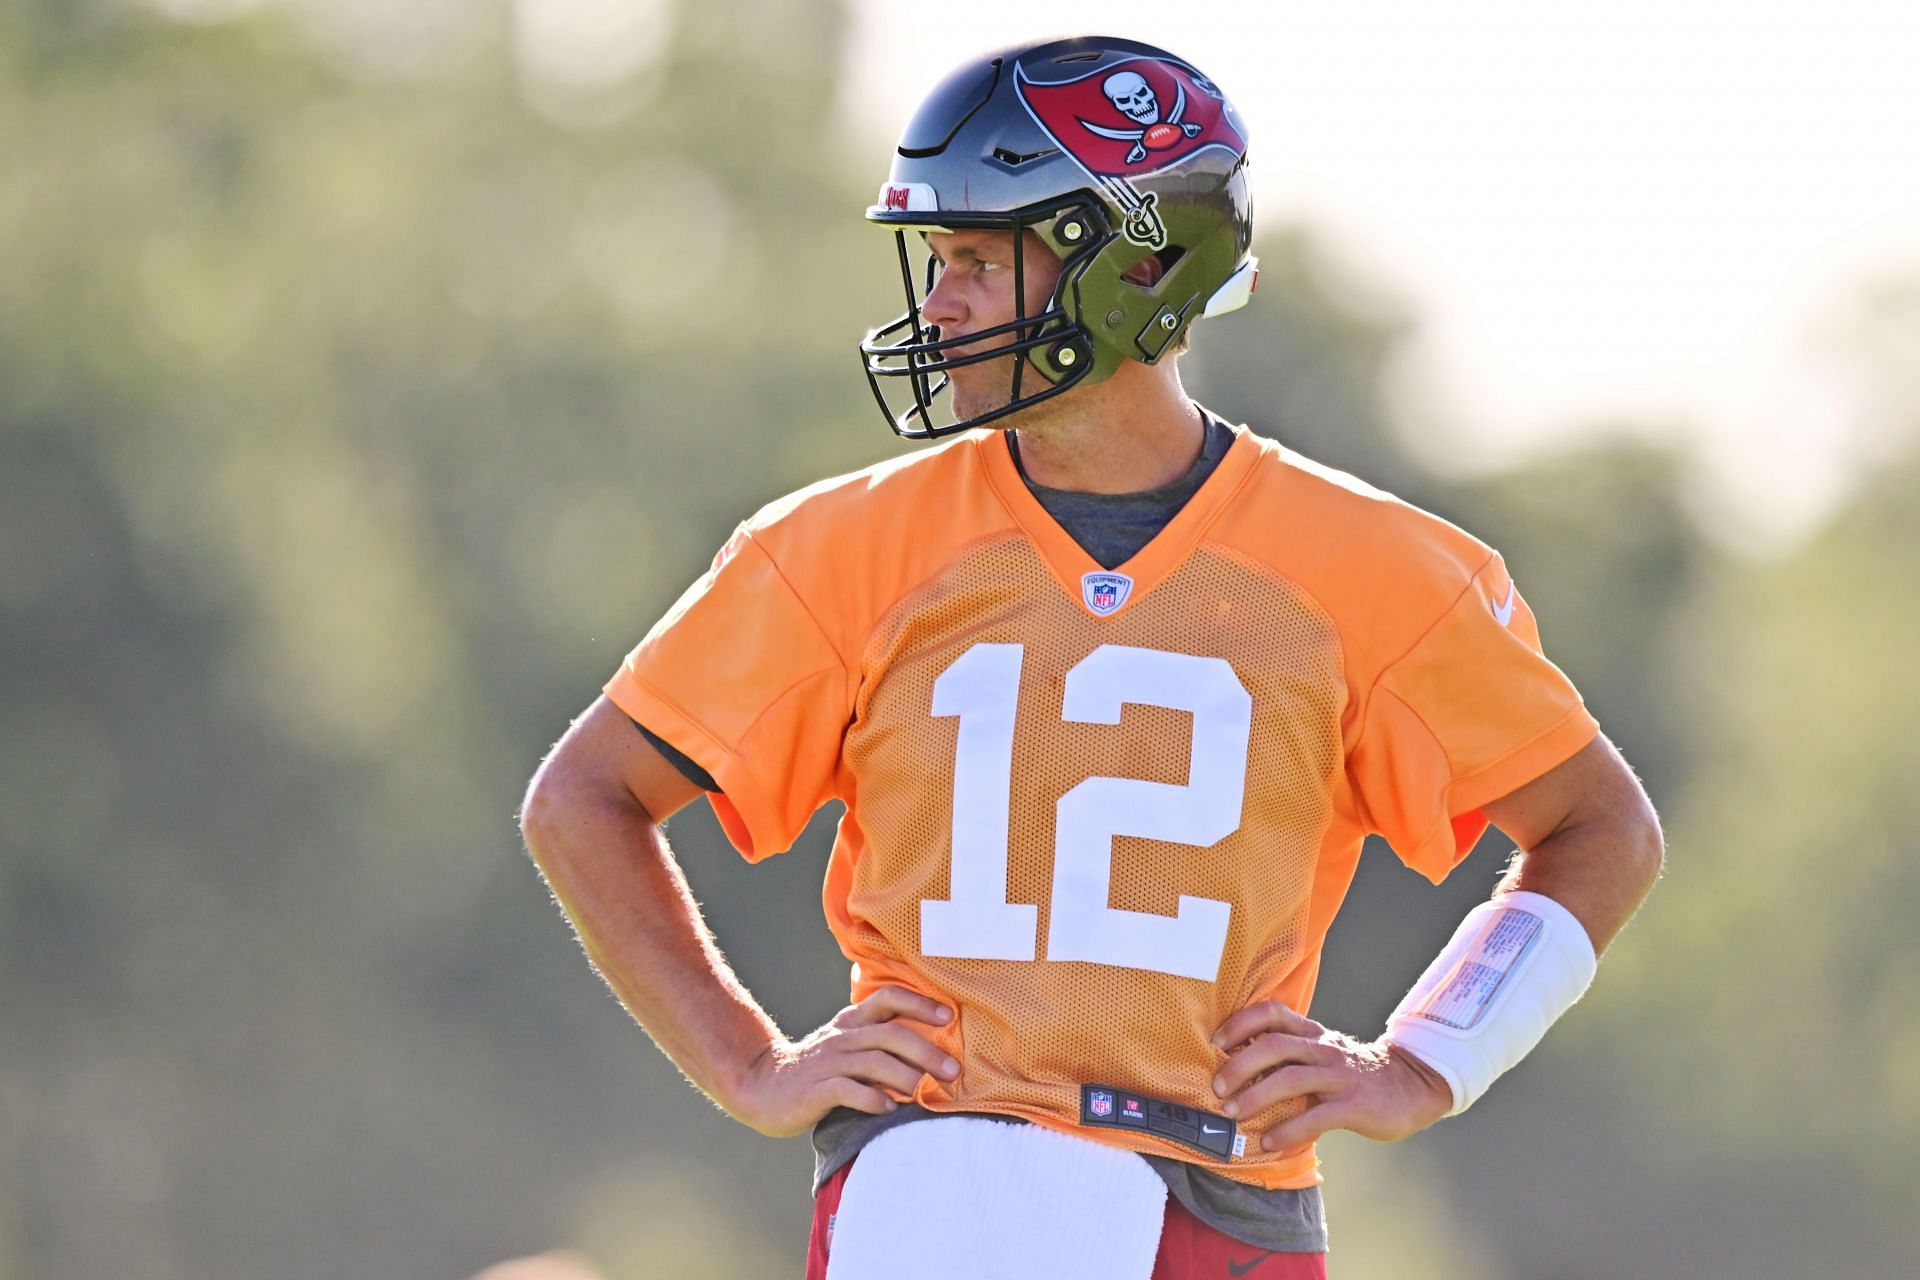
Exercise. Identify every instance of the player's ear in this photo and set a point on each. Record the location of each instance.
(1150, 270)
(1146, 273)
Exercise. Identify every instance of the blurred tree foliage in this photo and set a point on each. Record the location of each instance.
(352, 430)
(354, 422)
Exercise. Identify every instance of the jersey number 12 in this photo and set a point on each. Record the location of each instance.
(982, 688)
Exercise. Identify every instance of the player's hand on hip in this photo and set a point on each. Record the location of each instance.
(865, 1050)
(1274, 1054)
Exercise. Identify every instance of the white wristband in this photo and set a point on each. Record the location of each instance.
(1514, 966)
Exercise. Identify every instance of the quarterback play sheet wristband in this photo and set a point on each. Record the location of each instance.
(1514, 966)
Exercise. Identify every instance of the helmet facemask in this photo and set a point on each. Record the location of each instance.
(1049, 349)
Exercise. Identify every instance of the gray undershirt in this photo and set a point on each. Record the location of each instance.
(1112, 528)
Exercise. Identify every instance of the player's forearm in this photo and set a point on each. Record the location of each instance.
(1600, 869)
(1520, 961)
(609, 865)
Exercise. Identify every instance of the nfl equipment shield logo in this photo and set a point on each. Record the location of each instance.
(1105, 592)
(1101, 1104)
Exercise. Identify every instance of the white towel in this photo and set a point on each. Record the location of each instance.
(962, 1198)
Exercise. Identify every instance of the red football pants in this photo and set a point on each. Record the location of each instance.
(1189, 1248)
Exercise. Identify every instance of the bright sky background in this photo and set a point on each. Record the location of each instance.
(1662, 212)
(1657, 210)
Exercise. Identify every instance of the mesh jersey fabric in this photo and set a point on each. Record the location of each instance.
(1134, 824)
(1112, 527)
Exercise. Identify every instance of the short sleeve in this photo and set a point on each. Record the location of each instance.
(740, 677)
(1471, 713)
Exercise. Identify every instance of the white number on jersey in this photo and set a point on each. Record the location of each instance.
(982, 688)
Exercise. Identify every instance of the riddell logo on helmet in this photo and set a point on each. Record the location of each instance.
(1133, 118)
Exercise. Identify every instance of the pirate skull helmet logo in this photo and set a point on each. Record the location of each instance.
(1132, 96)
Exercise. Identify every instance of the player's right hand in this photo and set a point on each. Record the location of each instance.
(865, 1049)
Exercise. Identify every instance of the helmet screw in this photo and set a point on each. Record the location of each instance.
(1114, 317)
(1066, 357)
(1071, 231)
(1169, 322)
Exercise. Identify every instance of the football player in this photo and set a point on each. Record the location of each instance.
(1113, 691)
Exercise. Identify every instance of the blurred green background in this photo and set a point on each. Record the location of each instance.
(359, 409)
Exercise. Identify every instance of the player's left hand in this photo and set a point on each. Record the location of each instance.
(1378, 1090)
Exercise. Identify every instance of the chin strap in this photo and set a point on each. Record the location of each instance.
(1513, 967)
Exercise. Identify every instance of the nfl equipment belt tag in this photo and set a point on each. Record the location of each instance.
(1104, 1107)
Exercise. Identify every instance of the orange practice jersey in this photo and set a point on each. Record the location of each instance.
(1096, 813)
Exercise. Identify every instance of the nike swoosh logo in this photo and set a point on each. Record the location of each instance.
(1207, 1128)
(1503, 609)
(1241, 1268)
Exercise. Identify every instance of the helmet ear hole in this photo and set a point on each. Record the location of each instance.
(1152, 269)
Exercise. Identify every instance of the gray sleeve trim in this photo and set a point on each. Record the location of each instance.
(678, 759)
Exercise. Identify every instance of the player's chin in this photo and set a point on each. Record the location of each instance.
(982, 388)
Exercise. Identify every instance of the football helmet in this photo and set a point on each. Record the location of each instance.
(1112, 151)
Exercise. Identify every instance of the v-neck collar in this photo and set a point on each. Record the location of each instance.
(1069, 562)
